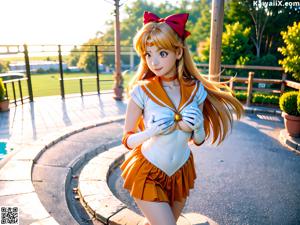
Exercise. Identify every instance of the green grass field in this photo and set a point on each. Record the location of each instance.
(49, 84)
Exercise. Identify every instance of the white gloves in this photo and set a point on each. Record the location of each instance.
(199, 135)
(159, 126)
(193, 117)
(154, 128)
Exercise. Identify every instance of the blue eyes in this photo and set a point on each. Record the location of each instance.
(162, 54)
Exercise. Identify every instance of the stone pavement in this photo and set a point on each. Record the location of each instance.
(26, 177)
(34, 130)
(31, 122)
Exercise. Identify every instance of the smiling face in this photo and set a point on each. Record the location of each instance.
(161, 62)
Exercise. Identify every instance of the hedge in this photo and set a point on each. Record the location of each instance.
(259, 98)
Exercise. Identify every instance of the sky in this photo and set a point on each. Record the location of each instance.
(54, 21)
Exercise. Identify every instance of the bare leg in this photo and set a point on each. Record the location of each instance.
(177, 208)
(157, 213)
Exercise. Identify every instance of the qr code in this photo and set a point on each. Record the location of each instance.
(9, 215)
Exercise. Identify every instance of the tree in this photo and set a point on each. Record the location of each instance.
(291, 50)
(128, 26)
(197, 9)
(4, 66)
(201, 28)
(87, 59)
(74, 56)
(235, 45)
(266, 22)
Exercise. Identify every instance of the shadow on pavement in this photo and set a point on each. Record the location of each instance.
(249, 179)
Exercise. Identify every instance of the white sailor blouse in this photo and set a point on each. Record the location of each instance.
(168, 152)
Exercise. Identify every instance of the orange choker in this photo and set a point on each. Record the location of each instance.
(169, 78)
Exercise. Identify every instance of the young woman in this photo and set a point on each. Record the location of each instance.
(170, 104)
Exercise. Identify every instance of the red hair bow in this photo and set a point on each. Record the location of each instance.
(176, 22)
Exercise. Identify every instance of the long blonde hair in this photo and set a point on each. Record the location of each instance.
(219, 104)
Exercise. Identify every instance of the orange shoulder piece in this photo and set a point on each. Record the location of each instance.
(187, 92)
(154, 90)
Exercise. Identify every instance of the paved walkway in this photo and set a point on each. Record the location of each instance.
(30, 122)
(30, 129)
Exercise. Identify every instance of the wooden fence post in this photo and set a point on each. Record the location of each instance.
(231, 84)
(249, 89)
(284, 76)
(216, 24)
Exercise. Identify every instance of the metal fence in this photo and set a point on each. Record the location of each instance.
(245, 81)
(58, 51)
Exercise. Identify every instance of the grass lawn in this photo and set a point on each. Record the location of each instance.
(49, 84)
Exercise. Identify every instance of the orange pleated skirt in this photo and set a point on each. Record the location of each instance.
(145, 181)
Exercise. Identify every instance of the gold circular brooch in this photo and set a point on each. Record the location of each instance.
(177, 117)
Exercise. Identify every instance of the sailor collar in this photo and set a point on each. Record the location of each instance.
(155, 91)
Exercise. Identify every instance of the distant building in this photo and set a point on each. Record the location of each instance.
(36, 65)
(74, 69)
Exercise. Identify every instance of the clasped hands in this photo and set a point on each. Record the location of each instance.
(191, 117)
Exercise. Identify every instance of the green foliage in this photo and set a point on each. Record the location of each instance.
(258, 98)
(257, 47)
(291, 50)
(134, 21)
(242, 96)
(288, 103)
(4, 66)
(265, 22)
(203, 50)
(236, 11)
(87, 62)
(2, 91)
(87, 59)
(201, 28)
(265, 98)
(235, 45)
(266, 60)
(73, 58)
